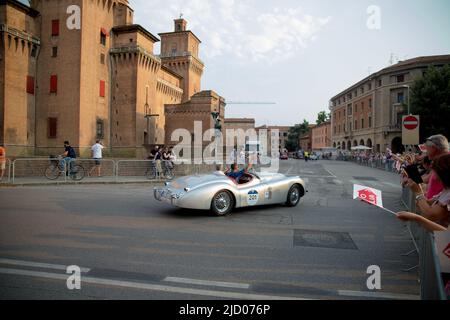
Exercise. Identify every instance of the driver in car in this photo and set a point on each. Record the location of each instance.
(235, 173)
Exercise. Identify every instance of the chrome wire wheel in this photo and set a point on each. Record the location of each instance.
(294, 196)
(222, 203)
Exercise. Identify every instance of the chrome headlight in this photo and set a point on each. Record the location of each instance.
(176, 196)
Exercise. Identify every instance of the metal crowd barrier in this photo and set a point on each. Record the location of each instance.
(430, 276)
(35, 170)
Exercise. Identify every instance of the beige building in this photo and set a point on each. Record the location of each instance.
(81, 70)
(321, 136)
(305, 142)
(272, 136)
(370, 112)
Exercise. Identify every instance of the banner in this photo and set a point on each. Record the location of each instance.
(369, 195)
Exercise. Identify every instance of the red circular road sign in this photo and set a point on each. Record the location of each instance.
(410, 122)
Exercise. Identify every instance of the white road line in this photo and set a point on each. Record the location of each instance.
(146, 286)
(38, 265)
(331, 173)
(208, 283)
(338, 181)
(378, 295)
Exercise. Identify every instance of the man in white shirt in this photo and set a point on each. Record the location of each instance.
(97, 155)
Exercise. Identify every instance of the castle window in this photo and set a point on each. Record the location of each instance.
(102, 88)
(54, 52)
(30, 84)
(52, 128)
(100, 129)
(53, 84)
(55, 28)
(103, 35)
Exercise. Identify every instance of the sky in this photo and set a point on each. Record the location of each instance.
(298, 54)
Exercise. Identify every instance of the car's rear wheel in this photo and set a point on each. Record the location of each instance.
(294, 195)
(222, 203)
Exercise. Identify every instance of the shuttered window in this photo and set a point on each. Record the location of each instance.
(102, 88)
(55, 28)
(53, 84)
(30, 84)
(52, 128)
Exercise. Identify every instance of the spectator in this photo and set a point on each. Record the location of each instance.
(2, 161)
(97, 155)
(158, 158)
(438, 208)
(436, 146)
(424, 222)
(167, 158)
(68, 156)
(153, 153)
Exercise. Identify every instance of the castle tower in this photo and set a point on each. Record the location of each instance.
(74, 76)
(179, 52)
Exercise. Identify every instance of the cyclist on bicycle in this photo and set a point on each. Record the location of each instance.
(68, 156)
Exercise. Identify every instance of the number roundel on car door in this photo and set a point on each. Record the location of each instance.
(252, 197)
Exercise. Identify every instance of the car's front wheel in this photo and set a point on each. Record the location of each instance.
(222, 203)
(294, 195)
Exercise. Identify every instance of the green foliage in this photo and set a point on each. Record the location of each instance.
(294, 134)
(323, 117)
(430, 99)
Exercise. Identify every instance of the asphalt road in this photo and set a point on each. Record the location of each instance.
(133, 247)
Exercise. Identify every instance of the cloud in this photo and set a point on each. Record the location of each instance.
(235, 29)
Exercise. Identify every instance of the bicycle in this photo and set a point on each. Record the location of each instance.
(76, 172)
(152, 172)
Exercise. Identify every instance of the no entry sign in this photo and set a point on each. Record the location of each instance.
(410, 130)
(410, 122)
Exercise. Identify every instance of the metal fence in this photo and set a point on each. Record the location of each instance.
(430, 277)
(26, 171)
(383, 164)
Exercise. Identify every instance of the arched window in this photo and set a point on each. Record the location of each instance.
(361, 142)
(369, 143)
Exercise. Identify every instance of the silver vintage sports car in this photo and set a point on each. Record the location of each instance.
(221, 194)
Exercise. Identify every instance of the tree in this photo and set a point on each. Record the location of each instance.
(430, 99)
(294, 134)
(323, 117)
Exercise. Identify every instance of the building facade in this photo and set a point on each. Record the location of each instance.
(305, 141)
(81, 70)
(321, 136)
(272, 135)
(370, 112)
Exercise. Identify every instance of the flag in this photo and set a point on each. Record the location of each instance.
(369, 195)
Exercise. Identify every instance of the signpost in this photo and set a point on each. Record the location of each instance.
(410, 130)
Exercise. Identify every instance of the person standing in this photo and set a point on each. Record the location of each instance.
(97, 155)
(2, 161)
(437, 146)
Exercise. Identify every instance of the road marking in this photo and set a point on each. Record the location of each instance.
(38, 265)
(331, 173)
(152, 287)
(378, 295)
(338, 181)
(207, 283)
